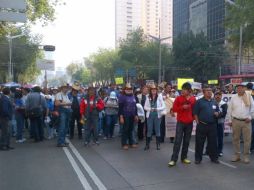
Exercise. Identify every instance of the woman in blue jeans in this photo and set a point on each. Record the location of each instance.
(111, 112)
(154, 107)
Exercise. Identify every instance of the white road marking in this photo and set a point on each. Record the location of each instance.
(88, 169)
(223, 163)
(78, 171)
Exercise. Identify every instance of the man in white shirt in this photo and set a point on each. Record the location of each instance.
(240, 110)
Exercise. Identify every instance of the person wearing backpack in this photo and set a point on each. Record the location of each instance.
(111, 112)
(36, 108)
(6, 112)
(90, 107)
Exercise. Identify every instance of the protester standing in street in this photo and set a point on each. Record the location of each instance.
(111, 113)
(6, 113)
(154, 107)
(63, 104)
(90, 107)
(36, 108)
(75, 114)
(128, 115)
(183, 106)
(240, 111)
(221, 120)
(206, 112)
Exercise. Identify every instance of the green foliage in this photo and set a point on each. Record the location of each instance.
(25, 49)
(199, 55)
(79, 72)
(241, 14)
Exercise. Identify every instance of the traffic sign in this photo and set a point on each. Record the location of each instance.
(45, 64)
(49, 48)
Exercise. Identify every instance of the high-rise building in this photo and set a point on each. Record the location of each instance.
(154, 16)
(205, 16)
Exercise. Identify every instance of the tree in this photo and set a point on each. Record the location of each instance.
(202, 57)
(241, 14)
(25, 48)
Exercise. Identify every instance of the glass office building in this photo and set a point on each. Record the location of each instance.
(200, 16)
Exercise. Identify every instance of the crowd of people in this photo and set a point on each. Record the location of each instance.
(135, 114)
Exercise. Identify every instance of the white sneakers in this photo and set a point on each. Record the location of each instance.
(21, 140)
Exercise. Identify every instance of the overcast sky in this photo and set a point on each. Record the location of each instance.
(81, 27)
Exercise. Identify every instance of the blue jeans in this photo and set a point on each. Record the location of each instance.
(220, 133)
(111, 120)
(153, 122)
(20, 120)
(63, 125)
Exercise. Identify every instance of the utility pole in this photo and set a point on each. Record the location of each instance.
(159, 39)
(240, 40)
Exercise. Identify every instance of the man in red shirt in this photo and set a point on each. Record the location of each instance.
(183, 106)
(90, 107)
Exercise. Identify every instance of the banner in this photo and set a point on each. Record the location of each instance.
(213, 82)
(170, 122)
(181, 81)
(119, 80)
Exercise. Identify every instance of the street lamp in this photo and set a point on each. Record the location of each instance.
(10, 69)
(159, 39)
(240, 41)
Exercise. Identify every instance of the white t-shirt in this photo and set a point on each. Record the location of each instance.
(63, 98)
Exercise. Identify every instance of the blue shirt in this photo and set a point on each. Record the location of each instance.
(205, 109)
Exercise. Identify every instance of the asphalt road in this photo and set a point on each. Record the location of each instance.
(43, 166)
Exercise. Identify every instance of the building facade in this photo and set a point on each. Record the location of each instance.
(198, 16)
(153, 16)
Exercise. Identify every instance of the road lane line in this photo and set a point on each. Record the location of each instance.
(223, 163)
(88, 169)
(78, 171)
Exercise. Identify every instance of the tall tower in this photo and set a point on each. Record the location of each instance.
(154, 16)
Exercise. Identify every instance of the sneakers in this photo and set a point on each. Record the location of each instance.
(171, 163)
(134, 146)
(186, 161)
(21, 140)
(86, 143)
(62, 145)
(220, 154)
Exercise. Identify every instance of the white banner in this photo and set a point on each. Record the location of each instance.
(170, 121)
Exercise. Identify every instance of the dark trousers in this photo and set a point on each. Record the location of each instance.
(75, 117)
(163, 128)
(20, 125)
(220, 134)
(5, 132)
(91, 128)
(127, 130)
(183, 133)
(37, 128)
(141, 130)
(252, 135)
(210, 132)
